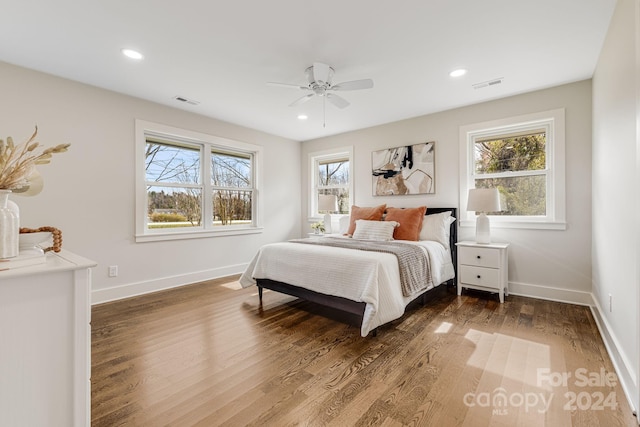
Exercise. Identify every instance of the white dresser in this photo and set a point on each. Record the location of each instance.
(483, 267)
(45, 343)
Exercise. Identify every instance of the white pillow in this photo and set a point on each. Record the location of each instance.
(374, 230)
(436, 227)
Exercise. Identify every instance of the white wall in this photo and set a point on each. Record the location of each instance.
(543, 263)
(616, 177)
(89, 191)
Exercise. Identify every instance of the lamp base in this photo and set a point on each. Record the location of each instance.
(327, 224)
(483, 229)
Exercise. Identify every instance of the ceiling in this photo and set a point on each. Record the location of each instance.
(221, 54)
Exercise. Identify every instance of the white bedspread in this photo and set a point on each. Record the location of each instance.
(363, 276)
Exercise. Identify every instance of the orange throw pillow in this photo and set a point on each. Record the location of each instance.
(369, 214)
(410, 220)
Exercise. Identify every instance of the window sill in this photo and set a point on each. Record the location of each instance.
(525, 225)
(183, 235)
(334, 217)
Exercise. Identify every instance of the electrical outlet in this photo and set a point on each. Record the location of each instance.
(113, 270)
(610, 303)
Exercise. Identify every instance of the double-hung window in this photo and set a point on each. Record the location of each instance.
(194, 185)
(232, 186)
(523, 157)
(331, 173)
(174, 183)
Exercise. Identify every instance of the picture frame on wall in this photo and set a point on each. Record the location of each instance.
(404, 170)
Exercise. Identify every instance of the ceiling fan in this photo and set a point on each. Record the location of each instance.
(319, 76)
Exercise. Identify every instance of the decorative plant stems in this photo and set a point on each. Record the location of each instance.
(18, 162)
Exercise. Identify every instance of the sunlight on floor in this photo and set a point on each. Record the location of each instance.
(233, 285)
(444, 328)
(509, 357)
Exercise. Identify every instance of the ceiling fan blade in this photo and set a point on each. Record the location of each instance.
(321, 72)
(354, 85)
(338, 101)
(288, 85)
(301, 100)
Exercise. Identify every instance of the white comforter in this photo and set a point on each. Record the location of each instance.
(363, 276)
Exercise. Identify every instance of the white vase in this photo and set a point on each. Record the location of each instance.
(9, 226)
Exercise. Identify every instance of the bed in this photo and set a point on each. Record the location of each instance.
(368, 283)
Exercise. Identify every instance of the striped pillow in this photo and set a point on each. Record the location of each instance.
(374, 230)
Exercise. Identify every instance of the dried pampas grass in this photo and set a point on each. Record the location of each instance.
(18, 162)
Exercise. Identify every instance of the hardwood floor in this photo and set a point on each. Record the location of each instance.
(208, 354)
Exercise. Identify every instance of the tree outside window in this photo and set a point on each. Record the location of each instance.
(331, 173)
(516, 166)
(231, 180)
(174, 189)
(175, 186)
(333, 179)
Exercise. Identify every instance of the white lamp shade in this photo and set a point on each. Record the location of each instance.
(327, 203)
(483, 200)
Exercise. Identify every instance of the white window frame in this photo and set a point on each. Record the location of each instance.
(554, 124)
(208, 143)
(315, 159)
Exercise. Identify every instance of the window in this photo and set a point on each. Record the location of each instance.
(331, 173)
(231, 181)
(178, 197)
(515, 164)
(174, 186)
(523, 157)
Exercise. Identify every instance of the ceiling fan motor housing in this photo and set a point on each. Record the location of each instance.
(319, 87)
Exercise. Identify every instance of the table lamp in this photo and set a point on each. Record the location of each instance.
(483, 200)
(327, 203)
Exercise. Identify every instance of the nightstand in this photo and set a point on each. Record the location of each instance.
(483, 267)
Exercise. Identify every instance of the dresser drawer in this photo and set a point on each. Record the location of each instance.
(480, 276)
(481, 257)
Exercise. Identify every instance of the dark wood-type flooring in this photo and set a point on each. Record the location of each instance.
(209, 355)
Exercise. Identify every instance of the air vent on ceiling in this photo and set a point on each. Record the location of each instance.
(488, 83)
(188, 101)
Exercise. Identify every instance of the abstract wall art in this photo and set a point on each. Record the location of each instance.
(404, 170)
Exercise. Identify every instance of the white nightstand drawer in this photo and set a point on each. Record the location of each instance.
(481, 257)
(484, 267)
(480, 276)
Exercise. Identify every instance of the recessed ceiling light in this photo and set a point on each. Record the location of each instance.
(133, 54)
(458, 73)
(302, 117)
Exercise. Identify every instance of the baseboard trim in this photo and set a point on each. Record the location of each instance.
(100, 296)
(623, 367)
(551, 293)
